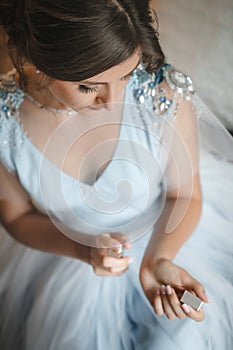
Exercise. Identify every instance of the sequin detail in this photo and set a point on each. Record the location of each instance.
(148, 87)
(179, 82)
(11, 96)
(12, 134)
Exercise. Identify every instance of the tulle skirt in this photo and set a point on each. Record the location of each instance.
(57, 303)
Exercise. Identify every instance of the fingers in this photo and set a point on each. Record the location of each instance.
(108, 259)
(115, 264)
(158, 305)
(171, 301)
(197, 316)
(114, 242)
(109, 266)
(168, 308)
(123, 239)
(167, 302)
(199, 290)
(106, 241)
(192, 285)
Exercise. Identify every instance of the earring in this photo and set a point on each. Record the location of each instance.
(37, 71)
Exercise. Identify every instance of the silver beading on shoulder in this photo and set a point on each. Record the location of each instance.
(179, 82)
(148, 87)
(11, 96)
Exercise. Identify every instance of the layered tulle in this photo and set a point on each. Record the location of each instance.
(56, 303)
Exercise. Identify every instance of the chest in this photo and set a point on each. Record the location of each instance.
(81, 146)
(90, 154)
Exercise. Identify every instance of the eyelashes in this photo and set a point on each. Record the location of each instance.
(87, 90)
(127, 77)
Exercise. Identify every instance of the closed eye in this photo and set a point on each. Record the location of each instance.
(85, 89)
(127, 77)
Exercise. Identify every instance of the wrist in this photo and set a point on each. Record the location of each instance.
(82, 252)
(155, 259)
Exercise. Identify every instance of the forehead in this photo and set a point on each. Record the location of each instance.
(116, 72)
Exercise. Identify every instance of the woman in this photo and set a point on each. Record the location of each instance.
(99, 155)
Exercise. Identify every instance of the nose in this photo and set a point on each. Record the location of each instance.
(107, 96)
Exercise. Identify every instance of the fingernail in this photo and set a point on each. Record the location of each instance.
(158, 291)
(160, 312)
(169, 290)
(163, 290)
(186, 308)
(208, 298)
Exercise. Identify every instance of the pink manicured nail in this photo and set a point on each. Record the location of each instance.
(169, 290)
(186, 308)
(163, 290)
(158, 292)
(208, 298)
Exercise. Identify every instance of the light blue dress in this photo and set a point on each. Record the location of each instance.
(56, 303)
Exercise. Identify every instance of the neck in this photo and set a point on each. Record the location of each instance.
(38, 88)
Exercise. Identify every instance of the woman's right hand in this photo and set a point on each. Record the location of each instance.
(103, 257)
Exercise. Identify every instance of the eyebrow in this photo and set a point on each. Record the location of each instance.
(99, 83)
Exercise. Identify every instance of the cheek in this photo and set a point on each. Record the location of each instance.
(71, 96)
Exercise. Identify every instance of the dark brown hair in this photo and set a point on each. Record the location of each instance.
(73, 40)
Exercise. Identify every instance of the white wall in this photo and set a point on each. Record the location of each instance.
(197, 37)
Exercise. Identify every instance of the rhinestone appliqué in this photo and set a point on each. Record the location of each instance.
(147, 86)
(11, 96)
(179, 82)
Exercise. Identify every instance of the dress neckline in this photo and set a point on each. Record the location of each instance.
(10, 76)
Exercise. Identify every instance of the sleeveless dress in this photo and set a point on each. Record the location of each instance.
(50, 302)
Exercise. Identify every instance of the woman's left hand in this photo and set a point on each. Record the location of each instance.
(164, 282)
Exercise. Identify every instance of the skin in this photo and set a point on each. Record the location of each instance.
(162, 280)
(96, 92)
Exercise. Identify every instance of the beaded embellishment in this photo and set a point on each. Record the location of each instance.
(148, 87)
(179, 82)
(11, 96)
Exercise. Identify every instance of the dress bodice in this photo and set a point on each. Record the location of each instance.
(127, 194)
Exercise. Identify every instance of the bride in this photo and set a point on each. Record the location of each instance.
(115, 187)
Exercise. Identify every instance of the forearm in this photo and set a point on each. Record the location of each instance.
(37, 231)
(164, 244)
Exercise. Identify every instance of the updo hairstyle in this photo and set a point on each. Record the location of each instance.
(73, 40)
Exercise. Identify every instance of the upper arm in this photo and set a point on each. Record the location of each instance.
(181, 141)
(14, 200)
(181, 170)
